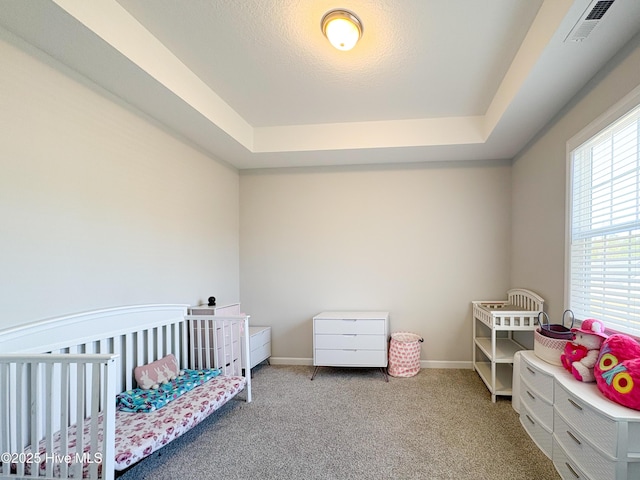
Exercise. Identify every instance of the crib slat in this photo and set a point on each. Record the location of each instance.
(117, 349)
(222, 361)
(244, 337)
(64, 414)
(89, 348)
(5, 430)
(148, 343)
(102, 345)
(235, 354)
(192, 335)
(34, 403)
(209, 342)
(109, 420)
(128, 349)
(49, 427)
(20, 414)
(167, 338)
(200, 336)
(72, 387)
(80, 411)
(95, 402)
(180, 341)
(160, 352)
(140, 360)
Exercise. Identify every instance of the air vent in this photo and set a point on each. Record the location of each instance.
(588, 21)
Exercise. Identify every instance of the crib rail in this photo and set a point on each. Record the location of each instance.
(220, 342)
(49, 396)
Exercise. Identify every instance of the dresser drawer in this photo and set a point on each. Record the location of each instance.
(538, 380)
(541, 435)
(349, 326)
(351, 358)
(542, 409)
(258, 337)
(566, 467)
(260, 354)
(228, 354)
(226, 360)
(225, 333)
(259, 345)
(351, 341)
(588, 422)
(592, 462)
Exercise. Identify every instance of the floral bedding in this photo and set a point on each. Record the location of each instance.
(138, 435)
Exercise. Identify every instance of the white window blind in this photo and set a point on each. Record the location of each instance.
(605, 226)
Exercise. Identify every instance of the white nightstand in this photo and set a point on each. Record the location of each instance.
(259, 345)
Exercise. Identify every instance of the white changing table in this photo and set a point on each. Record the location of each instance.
(494, 346)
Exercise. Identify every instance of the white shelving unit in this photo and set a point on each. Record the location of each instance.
(494, 346)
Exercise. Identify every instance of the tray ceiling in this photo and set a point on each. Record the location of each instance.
(255, 83)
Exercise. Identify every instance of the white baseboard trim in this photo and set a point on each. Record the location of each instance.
(290, 361)
(463, 365)
(446, 364)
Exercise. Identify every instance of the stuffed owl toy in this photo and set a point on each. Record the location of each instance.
(617, 370)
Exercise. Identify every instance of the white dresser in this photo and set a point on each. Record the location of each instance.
(259, 345)
(350, 339)
(536, 401)
(586, 435)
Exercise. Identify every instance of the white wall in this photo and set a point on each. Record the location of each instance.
(419, 241)
(100, 207)
(539, 182)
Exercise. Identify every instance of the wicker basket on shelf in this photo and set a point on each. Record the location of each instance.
(547, 348)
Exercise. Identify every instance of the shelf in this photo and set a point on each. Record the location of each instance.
(504, 375)
(505, 348)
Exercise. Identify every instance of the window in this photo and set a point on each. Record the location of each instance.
(604, 224)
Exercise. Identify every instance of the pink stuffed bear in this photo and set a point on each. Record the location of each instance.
(581, 355)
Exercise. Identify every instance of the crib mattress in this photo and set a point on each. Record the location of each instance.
(138, 435)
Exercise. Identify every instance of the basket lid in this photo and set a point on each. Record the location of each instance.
(406, 337)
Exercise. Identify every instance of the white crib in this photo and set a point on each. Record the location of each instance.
(63, 373)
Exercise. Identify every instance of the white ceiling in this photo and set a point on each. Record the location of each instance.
(255, 83)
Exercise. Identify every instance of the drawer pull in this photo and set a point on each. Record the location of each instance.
(531, 395)
(349, 319)
(530, 419)
(349, 335)
(575, 439)
(572, 470)
(574, 404)
(533, 372)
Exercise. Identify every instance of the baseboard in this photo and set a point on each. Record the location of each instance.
(446, 364)
(423, 363)
(290, 361)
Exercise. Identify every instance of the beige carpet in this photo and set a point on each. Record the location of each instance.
(350, 424)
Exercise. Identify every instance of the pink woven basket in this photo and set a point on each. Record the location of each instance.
(404, 354)
(547, 348)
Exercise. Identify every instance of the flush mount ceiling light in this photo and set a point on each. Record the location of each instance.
(342, 28)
